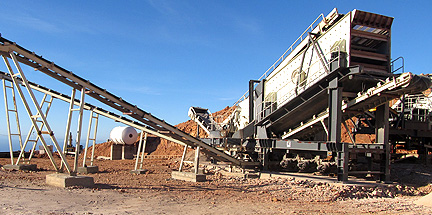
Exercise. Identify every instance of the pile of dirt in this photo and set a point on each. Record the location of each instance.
(223, 114)
(101, 149)
(166, 147)
(190, 127)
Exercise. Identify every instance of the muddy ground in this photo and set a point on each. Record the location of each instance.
(117, 191)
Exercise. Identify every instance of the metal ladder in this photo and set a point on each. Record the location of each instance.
(139, 153)
(8, 111)
(94, 116)
(80, 110)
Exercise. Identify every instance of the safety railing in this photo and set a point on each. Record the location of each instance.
(399, 63)
(303, 36)
(268, 107)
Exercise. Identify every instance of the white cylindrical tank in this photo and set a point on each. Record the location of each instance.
(123, 135)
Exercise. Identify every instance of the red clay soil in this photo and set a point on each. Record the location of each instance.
(101, 149)
(360, 138)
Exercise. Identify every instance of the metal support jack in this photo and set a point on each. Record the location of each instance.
(382, 136)
(334, 124)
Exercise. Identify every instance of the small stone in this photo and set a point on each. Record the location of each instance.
(274, 199)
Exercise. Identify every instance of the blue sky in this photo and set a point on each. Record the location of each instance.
(166, 56)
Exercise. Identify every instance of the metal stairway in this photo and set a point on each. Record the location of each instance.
(155, 125)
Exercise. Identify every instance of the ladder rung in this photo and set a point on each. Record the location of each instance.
(31, 140)
(9, 87)
(75, 109)
(11, 110)
(45, 132)
(35, 116)
(91, 139)
(15, 134)
(16, 74)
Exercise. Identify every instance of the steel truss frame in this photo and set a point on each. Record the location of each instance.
(39, 114)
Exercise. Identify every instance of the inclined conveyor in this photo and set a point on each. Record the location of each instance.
(12, 50)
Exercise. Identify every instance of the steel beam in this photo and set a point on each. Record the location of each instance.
(78, 137)
(382, 136)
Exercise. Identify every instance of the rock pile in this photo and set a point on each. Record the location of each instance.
(308, 190)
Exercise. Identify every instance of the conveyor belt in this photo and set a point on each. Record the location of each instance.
(8, 48)
(392, 88)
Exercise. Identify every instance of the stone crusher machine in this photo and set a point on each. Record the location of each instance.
(291, 117)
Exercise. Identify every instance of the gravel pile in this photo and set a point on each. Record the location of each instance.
(287, 189)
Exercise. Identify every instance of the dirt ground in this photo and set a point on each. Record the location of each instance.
(118, 192)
